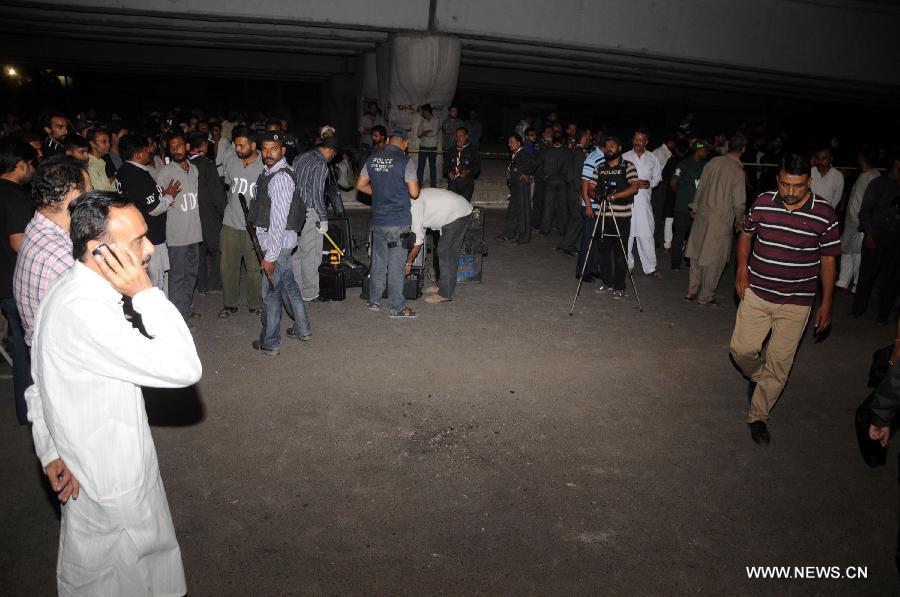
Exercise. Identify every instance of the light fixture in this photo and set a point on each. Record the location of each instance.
(10, 71)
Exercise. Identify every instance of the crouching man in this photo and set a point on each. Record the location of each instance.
(448, 214)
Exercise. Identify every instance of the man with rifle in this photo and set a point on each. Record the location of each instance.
(242, 167)
(279, 216)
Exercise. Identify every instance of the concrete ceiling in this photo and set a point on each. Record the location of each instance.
(311, 41)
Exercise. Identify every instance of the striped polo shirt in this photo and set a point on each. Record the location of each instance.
(615, 179)
(784, 264)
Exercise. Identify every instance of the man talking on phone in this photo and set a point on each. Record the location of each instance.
(797, 241)
(87, 411)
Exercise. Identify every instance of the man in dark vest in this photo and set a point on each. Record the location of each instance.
(462, 165)
(389, 176)
(278, 217)
(211, 199)
(518, 179)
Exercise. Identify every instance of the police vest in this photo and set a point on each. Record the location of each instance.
(261, 208)
(390, 193)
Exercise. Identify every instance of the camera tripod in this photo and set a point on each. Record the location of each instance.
(600, 220)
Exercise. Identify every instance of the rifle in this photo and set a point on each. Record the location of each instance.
(251, 230)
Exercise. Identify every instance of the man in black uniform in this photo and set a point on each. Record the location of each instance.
(134, 181)
(571, 239)
(462, 165)
(518, 179)
(552, 165)
(16, 209)
(211, 200)
(617, 181)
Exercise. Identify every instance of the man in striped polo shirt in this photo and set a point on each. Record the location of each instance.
(797, 240)
(616, 179)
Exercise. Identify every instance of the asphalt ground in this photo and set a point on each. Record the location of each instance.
(498, 446)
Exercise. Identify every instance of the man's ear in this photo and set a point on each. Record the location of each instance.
(91, 245)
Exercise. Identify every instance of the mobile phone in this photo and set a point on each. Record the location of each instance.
(97, 253)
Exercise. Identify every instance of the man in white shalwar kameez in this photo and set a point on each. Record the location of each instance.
(642, 225)
(89, 423)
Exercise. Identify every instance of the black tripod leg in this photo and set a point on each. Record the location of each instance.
(587, 258)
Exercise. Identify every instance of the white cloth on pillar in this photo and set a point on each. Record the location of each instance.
(415, 70)
(86, 407)
(642, 225)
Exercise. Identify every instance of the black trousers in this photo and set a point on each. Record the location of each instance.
(681, 228)
(518, 215)
(555, 205)
(462, 186)
(537, 200)
(879, 267)
(210, 276)
(613, 265)
(576, 217)
(657, 201)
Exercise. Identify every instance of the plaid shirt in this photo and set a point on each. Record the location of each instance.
(45, 254)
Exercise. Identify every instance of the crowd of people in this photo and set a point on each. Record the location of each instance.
(114, 228)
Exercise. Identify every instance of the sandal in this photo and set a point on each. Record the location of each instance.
(227, 312)
(406, 313)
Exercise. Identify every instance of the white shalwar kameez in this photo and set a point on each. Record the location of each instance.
(86, 406)
(642, 225)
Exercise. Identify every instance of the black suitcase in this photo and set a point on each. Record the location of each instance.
(412, 287)
(473, 241)
(340, 232)
(355, 273)
(332, 283)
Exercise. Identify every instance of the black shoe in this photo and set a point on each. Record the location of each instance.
(760, 433)
(271, 352)
(290, 334)
(257, 311)
(751, 388)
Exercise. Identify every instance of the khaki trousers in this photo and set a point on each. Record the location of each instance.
(755, 319)
(236, 245)
(703, 280)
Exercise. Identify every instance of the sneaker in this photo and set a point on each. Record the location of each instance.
(760, 433)
(406, 313)
(654, 274)
(269, 352)
(618, 294)
(601, 288)
(290, 334)
(374, 307)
